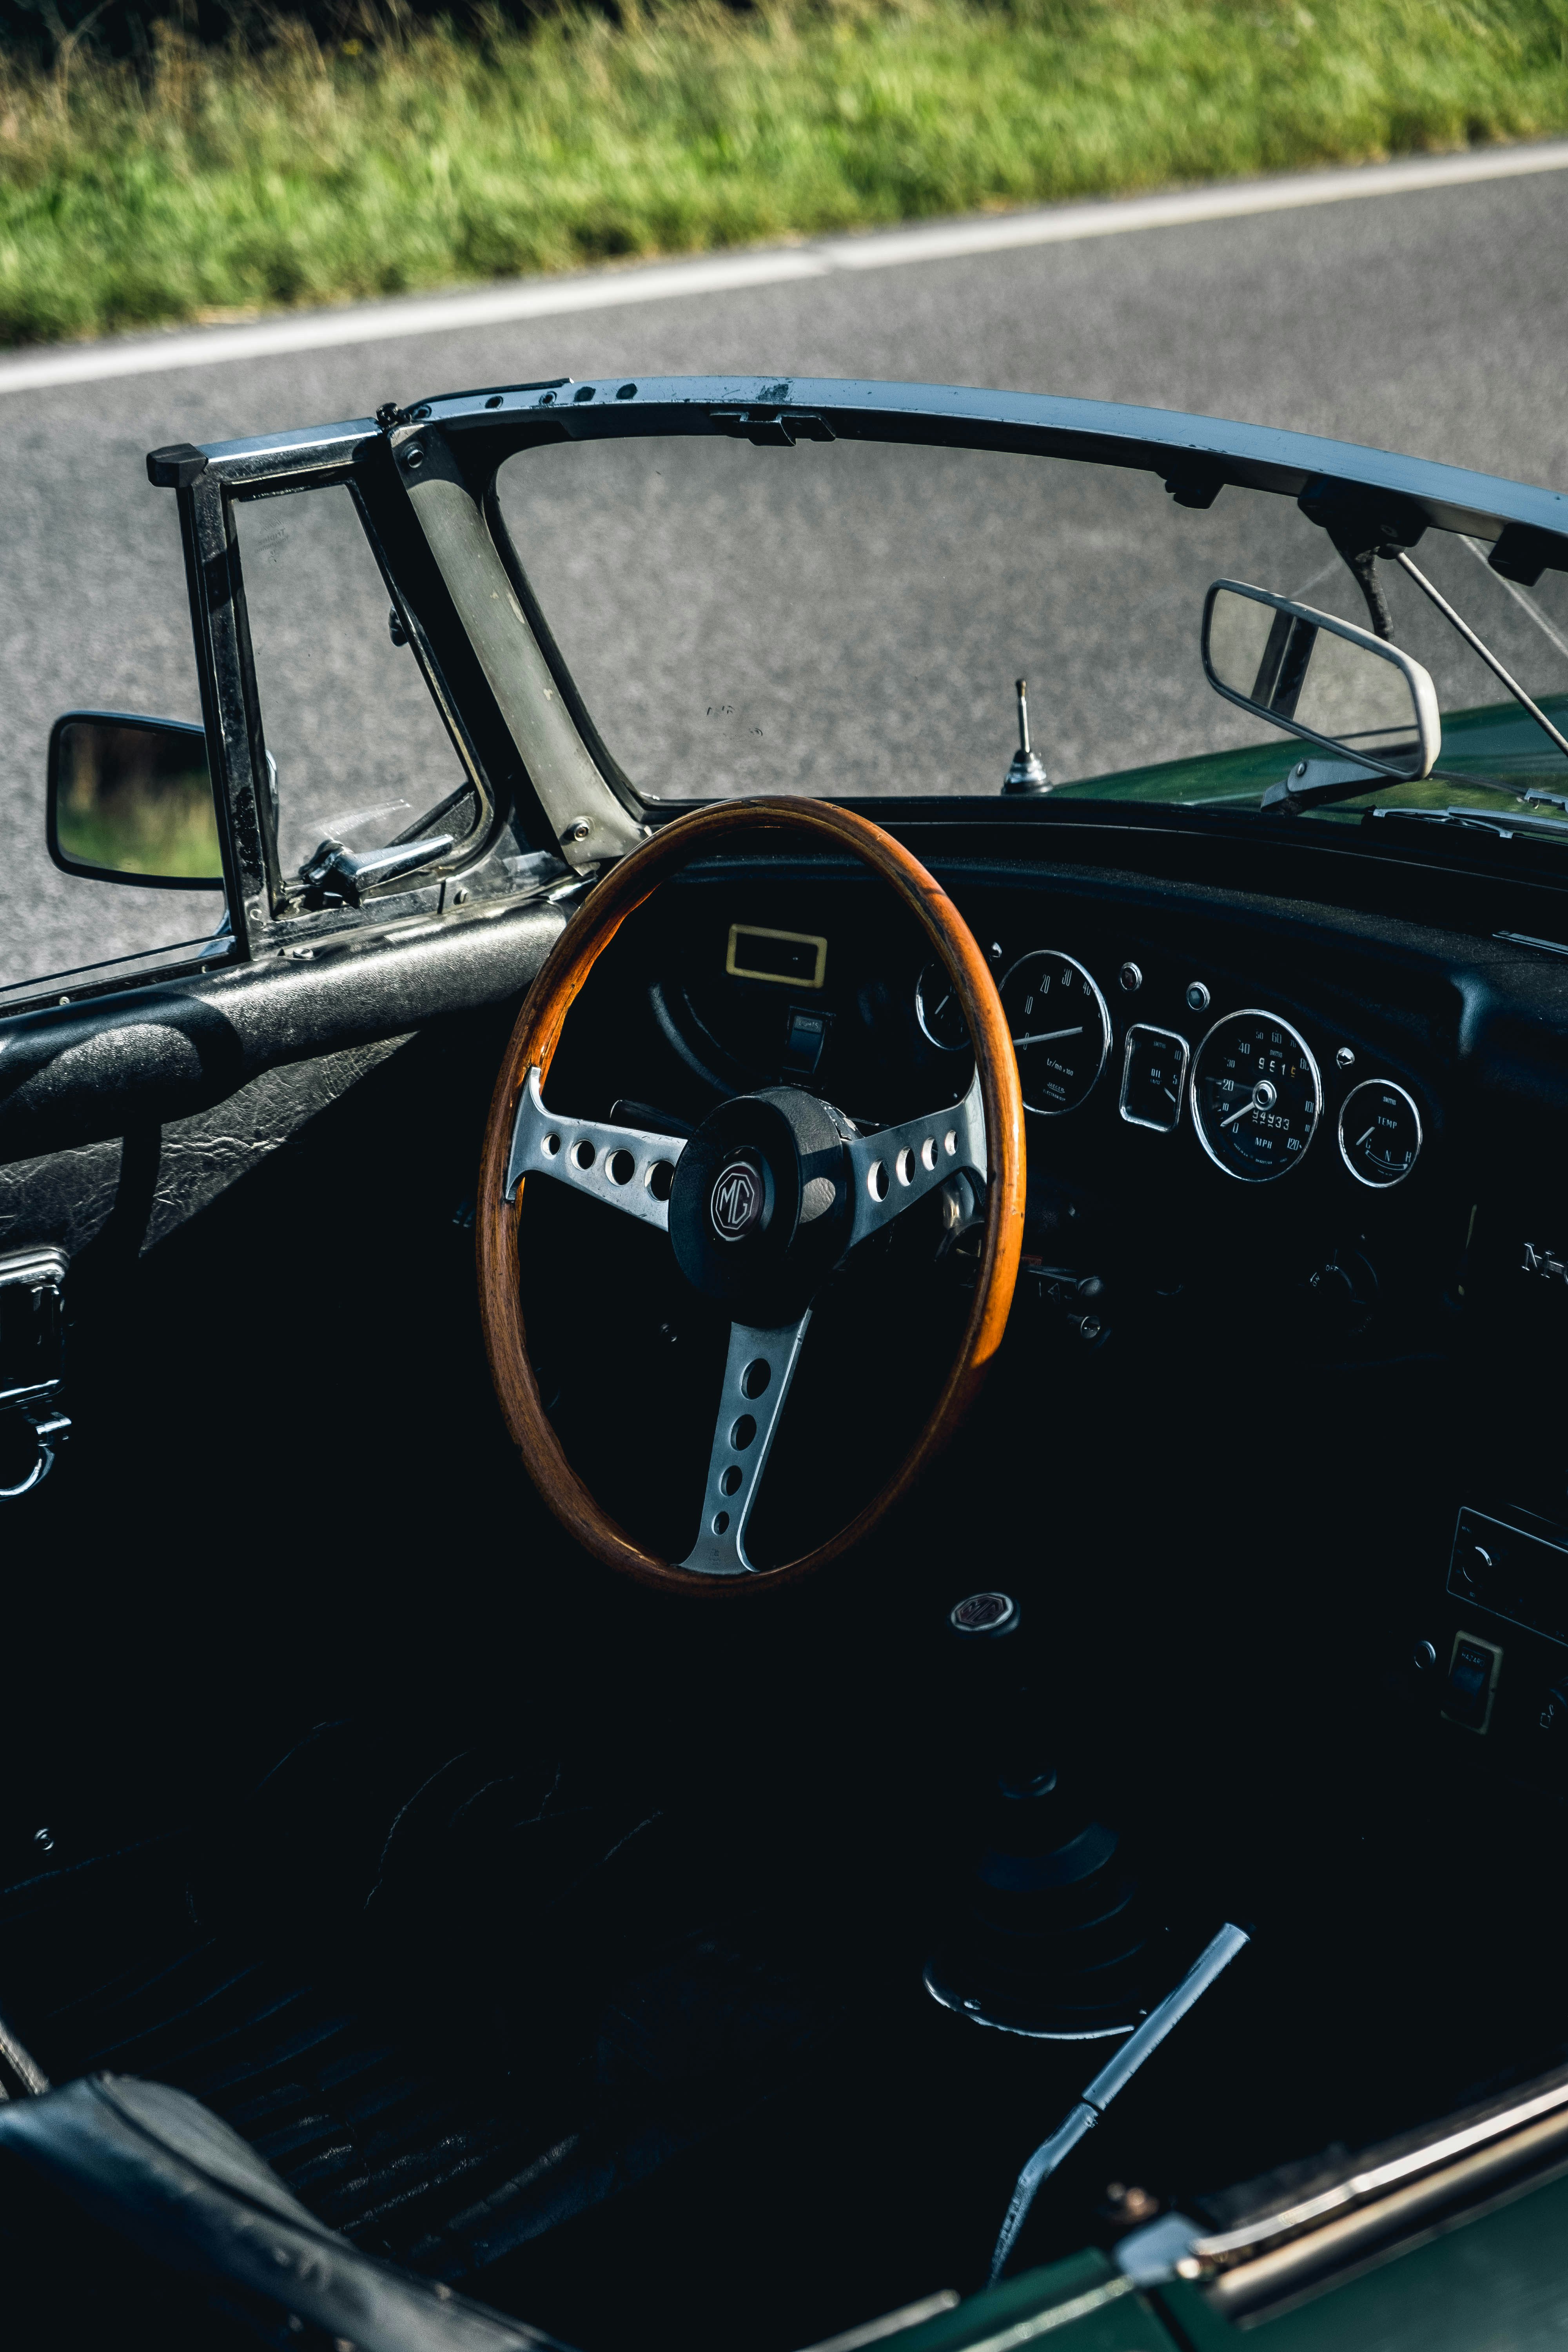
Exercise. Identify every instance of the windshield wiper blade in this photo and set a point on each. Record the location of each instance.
(1535, 828)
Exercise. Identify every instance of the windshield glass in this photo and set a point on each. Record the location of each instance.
(848, 619)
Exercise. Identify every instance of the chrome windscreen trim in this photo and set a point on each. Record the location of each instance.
(1230, 2246)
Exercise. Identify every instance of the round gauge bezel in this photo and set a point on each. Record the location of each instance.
(1255, 1012)
(1061, 956)
(1389, 1086)
(934, 963)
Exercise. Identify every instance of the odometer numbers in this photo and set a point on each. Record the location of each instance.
(1380, 1133)
(1256, 1095)
(1060, 1029)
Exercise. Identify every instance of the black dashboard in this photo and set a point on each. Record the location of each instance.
(1292, 1258)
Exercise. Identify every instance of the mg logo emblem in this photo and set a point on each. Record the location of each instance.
(736, 1201)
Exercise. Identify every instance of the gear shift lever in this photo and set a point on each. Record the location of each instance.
(991, 1658)
(1051, 1939)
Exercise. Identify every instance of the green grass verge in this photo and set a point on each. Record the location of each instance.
(211, 182)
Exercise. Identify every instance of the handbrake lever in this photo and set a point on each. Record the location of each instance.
(1097, 2096)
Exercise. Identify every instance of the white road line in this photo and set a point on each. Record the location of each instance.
(554, 297)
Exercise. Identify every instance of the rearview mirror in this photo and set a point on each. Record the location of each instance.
(1324, 679)
(131, 800)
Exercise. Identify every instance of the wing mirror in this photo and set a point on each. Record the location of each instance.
(1334, 685)
(131, 800)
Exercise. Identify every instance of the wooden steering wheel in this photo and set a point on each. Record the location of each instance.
(770, 1194)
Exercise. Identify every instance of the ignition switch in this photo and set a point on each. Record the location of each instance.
(1342, 1294)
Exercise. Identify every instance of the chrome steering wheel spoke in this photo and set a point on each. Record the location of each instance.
(757, 1376)
(893, 1169)
(626, 1167)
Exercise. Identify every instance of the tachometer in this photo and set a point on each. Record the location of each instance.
(1059, 1028)
(1380, 1132)
(1256, 1095)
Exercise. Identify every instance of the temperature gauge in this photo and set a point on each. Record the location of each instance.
(1380, 1133)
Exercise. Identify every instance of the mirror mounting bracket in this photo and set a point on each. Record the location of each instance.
(1363, 527)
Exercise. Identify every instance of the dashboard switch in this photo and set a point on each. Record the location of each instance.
(1510, 1572)
(805, 1037)
(1472, 1682)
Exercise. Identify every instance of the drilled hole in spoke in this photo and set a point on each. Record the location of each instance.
(659, 1179)
(730, 1483)
(950, 1142)
(755, 1377)
(742, 1432)
(905, 1165)
(583, 1154)
(877, 1180)
(720, 1523)
(550, 1146)
(620, 1167)
(927, 1154)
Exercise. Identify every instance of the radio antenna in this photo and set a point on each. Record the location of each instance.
(1027, 773)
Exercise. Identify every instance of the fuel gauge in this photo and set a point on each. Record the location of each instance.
(1153, 1073)
(1380, 1133)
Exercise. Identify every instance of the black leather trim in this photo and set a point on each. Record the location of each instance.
(158, 2167)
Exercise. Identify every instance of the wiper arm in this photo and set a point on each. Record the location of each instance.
(1317, 783)
(1313, 783)
(1534, 827)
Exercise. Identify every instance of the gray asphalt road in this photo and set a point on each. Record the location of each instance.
(1427, 322)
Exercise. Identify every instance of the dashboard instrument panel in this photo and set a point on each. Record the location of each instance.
(802, 990)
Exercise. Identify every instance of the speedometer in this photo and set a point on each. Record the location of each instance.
(1060, 1026)
(1256, 1095)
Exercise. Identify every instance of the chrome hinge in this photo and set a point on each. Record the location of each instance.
(32, 1345)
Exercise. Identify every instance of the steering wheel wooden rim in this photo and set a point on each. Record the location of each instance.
(533, 1044)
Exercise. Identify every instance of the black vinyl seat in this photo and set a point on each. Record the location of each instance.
(191, 2230)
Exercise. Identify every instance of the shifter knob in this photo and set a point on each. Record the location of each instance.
(1050, 1937)
(1002, 1739)
(985, 1617)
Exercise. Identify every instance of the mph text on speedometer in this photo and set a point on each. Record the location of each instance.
(1256, 1095)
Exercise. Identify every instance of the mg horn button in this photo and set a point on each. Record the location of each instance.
(736, 1201)
(760, 1205)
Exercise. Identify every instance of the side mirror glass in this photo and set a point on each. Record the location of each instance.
(1321, 679)
(131, 800)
